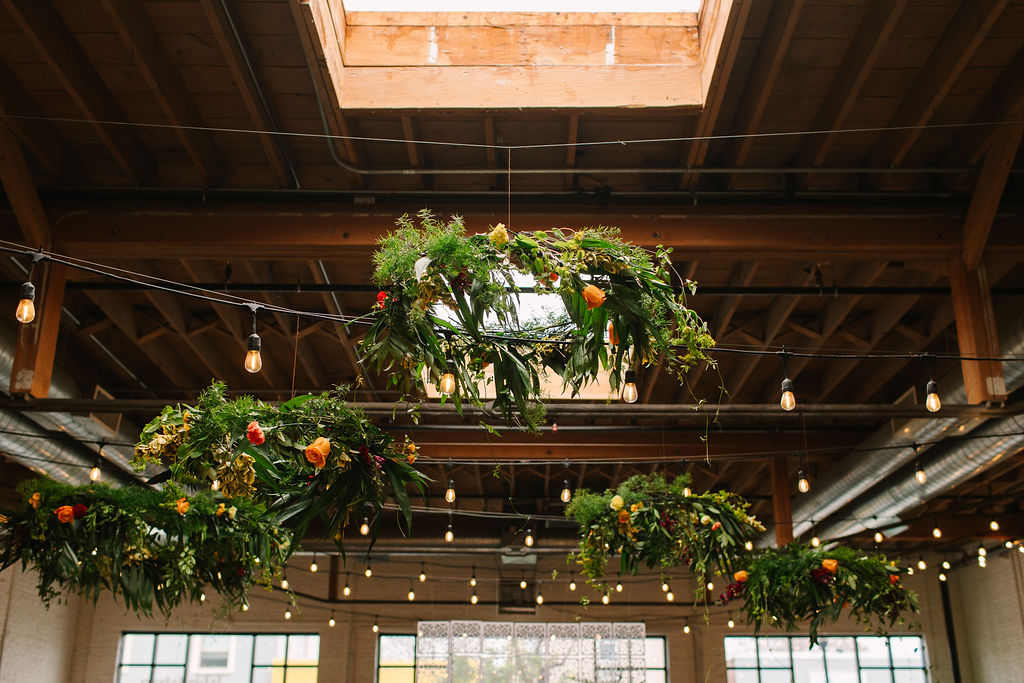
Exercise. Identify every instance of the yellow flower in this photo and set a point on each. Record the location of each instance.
(220, 509)
(232, 511)
(499, 236)
(635, 506)
(182, 505)
(35, 500)
(410, 453)
(617, 502)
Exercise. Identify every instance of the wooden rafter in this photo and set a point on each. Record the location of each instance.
(952, 52)
(877, 24)
(21, 191)
(56, 44)
(242, 69)
(39, 137)
(760, 82)
(168, 87)
(989, 191)
(976, 332)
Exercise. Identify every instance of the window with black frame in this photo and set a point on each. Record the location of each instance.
(218, 658)
(835, 659)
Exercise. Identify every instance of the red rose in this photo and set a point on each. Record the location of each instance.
(381, 298)
(79, 510)
(254, 433)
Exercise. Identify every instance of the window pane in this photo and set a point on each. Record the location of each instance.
(808, 662)
(268, 675)
(907, 651)
(300, 674)
(841, 660)
(303, 649)
(133, 674)
(269, 650)
(137, 648)
(170, 648)
(396, 675)
(742, 676)
(740, 652)
(655, 676)
(873, 651)
(875, 676)
(168, 674)
(773, 652)
(654, 653)
(397, 650)
(776, 676)
(910, 676)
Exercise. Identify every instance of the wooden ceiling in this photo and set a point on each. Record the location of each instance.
(846, 154)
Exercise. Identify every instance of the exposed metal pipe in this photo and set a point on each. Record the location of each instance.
(885, 452)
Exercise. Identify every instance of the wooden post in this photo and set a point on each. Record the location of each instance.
(37, 341)
(332, 581)
(780, 502)
(976, 332)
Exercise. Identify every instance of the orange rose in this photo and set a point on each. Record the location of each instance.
(317, 452)
(623, 516)
(613, 336)
(831, 566)
(35, 500)
(594, 295)
(740, 576)
(893, 578)
(410, 453)
(65, 514)
(183, 505)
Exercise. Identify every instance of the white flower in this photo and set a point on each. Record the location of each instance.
(705, 519)
(616, 503)
(420, 267)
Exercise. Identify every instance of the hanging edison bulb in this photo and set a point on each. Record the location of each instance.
(618, 586)
(472, 578)
(94, 473)
(566, 493)
(686, 628)
(572, 583)
(670, 596)
(921, 564)
(331, 622)
(803, 483)
(920, 474)
(815, 541)
(788, 400)
(473, 599)
(629, 392)
(368, 572)
(447, 385)
(749, 545)
(540, 599)
(364, 528)
(449, 533)
(529, 538)
(932, 401)
(26, 311)
(731, 623)
(993, 525)
(375, 628)
(411, 595)
(879, 537)
(313, 566)
(936, 532)
(347, 590)
(423, 574)
(253, 359)
(449, 495)
(287, 614)
(605, 599)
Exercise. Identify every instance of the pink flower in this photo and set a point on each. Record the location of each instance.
(254, 433)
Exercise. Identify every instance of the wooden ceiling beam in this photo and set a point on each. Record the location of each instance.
(294, 231)
(771, 51)
(976, 332)
(722, 24)
(39, 136)
(243, 71)
(21, 191)
(989, 191)
(875, 28)
(168, 87)
(951, 54)
(56, 44)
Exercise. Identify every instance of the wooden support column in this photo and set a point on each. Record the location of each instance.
(976, 332)
(332, 580)
(780, 502)
(37, 341)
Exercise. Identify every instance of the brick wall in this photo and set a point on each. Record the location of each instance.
(36, 644)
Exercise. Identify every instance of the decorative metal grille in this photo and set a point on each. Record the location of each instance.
(508, 652)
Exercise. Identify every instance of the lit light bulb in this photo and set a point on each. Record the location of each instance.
(472, 580)
(423, 575)
(670, 596)
(629, 392)
(522, 584)
(618, 587)
(932, 402)
(664, 586)
(449, 534)
(540, 599)
(411, 595)
(375, 627)
(1020, 548)
(572, 584)
(687, 492)
(449, 495)
(711, 586)
(815, 541)
(368, 572)
(284, 584)
(364, 528)
(245, 607)
(804, 484)
(910, 571)
(788, 400)
(253, 359)
(605, 599)
(331, 622)
(473, 599)
(982, 562)
(921, 475)
(202, 597)
(529, 538)
(94, 473)
(749, 545)
(982, 552)
(731, 624)
(554, 426)
(566, 493)
(921, 564)
(945, 564)
(1008, 545)
(26, 311)
(686, 629)
(287, 614)
(313, 566)
(993, 525)
(879, 537)
(936, 532)
(942, 576)
(447, 385)
(347, 590)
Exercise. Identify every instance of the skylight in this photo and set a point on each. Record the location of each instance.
(522, 6)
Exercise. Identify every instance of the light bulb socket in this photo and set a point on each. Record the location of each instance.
(254, 343)
(27, 291)
(932, 387)
(630, 377)
(787, 385)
